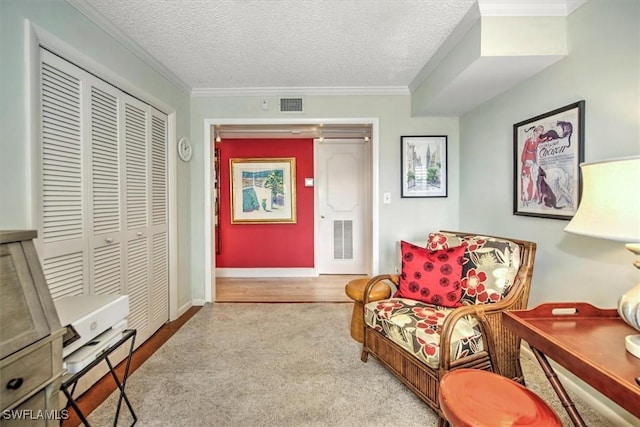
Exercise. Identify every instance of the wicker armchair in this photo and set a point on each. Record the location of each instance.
(398, 331)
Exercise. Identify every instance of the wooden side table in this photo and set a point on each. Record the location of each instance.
(354, 290)
(587, 341)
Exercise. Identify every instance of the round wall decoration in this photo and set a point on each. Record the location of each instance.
(185, 151)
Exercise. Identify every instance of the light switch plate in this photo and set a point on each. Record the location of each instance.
(386, 198)
(308, 182)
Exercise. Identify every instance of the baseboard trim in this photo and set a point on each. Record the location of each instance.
(266, 272)
(609, 410)
(183, 309)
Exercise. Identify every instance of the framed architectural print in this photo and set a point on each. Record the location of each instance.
(547, 151)
(424, 166)
(263, 190)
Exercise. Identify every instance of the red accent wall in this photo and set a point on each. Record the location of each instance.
(267, 245)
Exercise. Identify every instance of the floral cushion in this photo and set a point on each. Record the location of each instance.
(416, 326)
(490, 265)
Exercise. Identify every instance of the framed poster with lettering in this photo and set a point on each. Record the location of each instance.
(547, 152)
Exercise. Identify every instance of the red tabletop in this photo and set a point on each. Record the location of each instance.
(586, 340)
(478, 398)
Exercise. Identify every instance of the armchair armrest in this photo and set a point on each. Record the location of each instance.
(386, 279)
(480, 312)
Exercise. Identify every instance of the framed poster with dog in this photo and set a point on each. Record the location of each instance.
(547, 151)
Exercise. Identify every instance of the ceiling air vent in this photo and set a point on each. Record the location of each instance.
(291, 105)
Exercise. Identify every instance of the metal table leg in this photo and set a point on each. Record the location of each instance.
(72, 381)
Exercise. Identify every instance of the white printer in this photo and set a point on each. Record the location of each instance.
(94, 323)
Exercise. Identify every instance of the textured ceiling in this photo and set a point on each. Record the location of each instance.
(231, 44)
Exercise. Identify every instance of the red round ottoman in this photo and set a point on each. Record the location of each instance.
(478, 398)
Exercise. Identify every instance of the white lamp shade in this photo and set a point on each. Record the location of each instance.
(610, 203)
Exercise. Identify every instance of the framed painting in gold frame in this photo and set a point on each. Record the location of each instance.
(263, 190)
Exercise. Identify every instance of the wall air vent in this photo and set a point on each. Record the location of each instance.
(343, 239)
(291, 105)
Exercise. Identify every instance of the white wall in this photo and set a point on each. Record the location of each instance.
(409, 219)
(67, 26)
(603, 68)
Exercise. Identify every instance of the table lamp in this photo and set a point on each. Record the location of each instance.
(610, 209)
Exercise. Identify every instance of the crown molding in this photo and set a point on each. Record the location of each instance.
(97, 18)
(528, 7)
(302, 91)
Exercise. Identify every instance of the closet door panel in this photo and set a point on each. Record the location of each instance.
(137, 125)
(136, 154)
(160, 280)
(105, 162)
(108, 270)
(138, 285)
(63, 223)
(106, 245)
(159, 169)
(159, 296)
(62, 170)
(66, 273)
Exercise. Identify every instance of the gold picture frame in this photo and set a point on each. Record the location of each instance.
(263, 190)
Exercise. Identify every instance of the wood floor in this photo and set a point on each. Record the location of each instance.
(326, 288)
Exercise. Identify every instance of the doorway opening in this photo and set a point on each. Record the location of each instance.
(321, 129)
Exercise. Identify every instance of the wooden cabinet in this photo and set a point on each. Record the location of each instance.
(30, 336)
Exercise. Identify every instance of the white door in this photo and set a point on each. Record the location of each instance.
(343, 214)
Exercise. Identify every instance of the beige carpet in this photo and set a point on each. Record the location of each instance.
(279, 365)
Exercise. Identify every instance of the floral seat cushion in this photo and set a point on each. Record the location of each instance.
(416, 326)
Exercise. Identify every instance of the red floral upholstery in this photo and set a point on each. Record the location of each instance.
(415, 326)
(489, 268)
(431, 276)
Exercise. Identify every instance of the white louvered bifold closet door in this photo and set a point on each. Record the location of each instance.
(137, 243)
(159, 227)
(105, 246)
(104, 193)
(63, 211)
